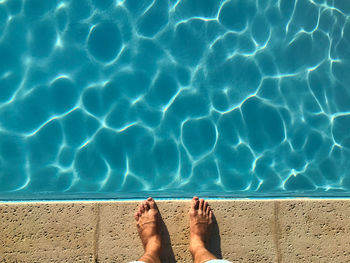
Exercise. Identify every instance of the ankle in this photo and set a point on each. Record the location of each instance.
(153, 246)
(150, 258)
(199, 253)
(196, 244)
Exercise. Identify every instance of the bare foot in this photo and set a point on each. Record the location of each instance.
(148, 225)
(201, 219)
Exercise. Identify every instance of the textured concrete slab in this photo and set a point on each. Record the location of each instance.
(48, 232)
(297, 230)
(314, 231)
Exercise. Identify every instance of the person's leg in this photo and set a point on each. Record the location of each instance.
(201, 219)
(148, 225)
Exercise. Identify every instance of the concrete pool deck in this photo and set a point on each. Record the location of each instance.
(291, 230)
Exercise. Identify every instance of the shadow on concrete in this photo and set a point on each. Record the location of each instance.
(214, 244)
(167, 251)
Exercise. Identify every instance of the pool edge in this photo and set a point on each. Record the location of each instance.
(300, 230)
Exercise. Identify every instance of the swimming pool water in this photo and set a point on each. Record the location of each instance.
(105, 98)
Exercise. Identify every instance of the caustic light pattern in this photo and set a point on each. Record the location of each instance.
(236, 97)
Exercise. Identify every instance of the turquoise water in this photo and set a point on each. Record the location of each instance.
(105, 98)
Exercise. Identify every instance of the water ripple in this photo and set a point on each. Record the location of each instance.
(173, 97)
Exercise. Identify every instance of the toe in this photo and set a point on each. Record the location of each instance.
(207, 210)
(136, 216)
(211, 217)
(138, 208)
(145, 206)
(201, 204)
(141, 208)
(151, 203)
(205, 206)
(194, 203)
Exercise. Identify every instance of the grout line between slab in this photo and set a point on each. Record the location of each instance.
(277, 231)
(97, 233)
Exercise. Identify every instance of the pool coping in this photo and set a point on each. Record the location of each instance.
(132, 199)
(250, 230)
